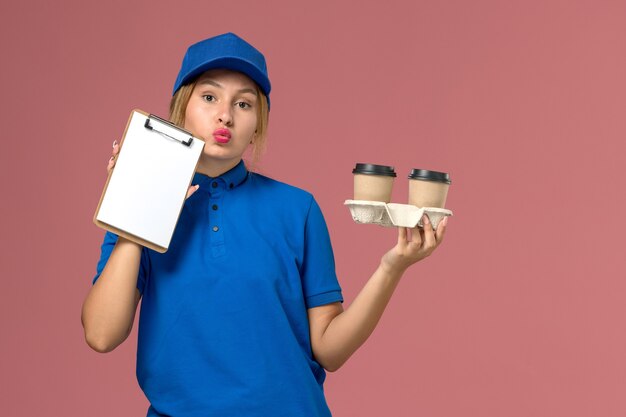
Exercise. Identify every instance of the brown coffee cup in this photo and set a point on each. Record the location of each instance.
(373, 182)
(428, 188)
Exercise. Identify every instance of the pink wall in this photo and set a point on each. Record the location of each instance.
(519, 313)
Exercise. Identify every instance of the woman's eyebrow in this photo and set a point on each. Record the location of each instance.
(248, 90)
(218, 85)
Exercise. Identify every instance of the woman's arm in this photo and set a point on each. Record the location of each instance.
(337, 334)
(109, 308)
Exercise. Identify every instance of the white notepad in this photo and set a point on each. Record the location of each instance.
(146, 190)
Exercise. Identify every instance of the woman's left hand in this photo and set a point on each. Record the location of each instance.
(414, 245)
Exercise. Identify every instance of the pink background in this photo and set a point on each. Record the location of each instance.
(521, 312)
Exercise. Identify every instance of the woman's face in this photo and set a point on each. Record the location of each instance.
(222, 111)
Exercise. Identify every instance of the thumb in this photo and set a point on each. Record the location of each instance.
(192, 189)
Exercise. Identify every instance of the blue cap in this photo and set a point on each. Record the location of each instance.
(227, 51)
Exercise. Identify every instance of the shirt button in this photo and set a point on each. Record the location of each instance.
(214, 185)
(214, 206)
(215, 228)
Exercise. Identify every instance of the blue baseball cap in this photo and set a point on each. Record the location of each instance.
(227, 51)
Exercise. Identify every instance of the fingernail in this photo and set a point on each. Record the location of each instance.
(444, 222)
(111, 159)
(426, 219)
(114, 143)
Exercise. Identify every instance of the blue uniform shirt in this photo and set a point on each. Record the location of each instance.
(223, 328)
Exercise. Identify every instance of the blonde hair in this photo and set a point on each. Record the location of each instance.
(178, 107)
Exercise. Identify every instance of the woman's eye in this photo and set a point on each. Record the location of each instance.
(243, 105)
(208, 97)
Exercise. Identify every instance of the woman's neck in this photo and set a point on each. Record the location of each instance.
(215, 168)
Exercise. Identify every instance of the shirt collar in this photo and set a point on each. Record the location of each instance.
(230, 179)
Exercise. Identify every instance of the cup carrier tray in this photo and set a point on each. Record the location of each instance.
(394, 215)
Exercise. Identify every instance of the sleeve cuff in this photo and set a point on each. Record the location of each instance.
(324, 298)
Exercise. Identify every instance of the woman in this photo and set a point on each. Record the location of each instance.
(243, 314)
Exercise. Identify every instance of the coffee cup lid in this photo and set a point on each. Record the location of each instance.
(426, 175)
(371, 169)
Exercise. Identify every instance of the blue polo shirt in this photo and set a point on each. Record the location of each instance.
(223, 328)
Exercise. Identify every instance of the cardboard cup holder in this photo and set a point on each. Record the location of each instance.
(394, 215)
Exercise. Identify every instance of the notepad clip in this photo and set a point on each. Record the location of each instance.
(170, 130)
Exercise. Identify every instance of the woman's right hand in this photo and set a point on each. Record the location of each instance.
(116, 149)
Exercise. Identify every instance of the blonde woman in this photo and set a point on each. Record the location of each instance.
(243, 315)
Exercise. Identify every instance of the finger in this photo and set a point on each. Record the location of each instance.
(416, 237)
(192, 189)
(116, 148)
(429, 235)
(402, 235)
(111, 164)
(441, 229)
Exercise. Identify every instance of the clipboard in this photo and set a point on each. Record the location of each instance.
(146, 189)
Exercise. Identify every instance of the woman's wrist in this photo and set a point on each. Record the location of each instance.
(391, 270)
(122, 241)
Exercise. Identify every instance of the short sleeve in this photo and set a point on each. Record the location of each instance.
(319, 279)
(110, 239)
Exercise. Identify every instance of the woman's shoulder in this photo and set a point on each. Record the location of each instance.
(280, 189)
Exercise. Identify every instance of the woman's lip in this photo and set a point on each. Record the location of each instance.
(222, 135)
(221, 139)
(222, 132)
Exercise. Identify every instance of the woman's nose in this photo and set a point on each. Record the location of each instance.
(225, 115)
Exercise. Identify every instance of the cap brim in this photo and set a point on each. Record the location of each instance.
(231, 63)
